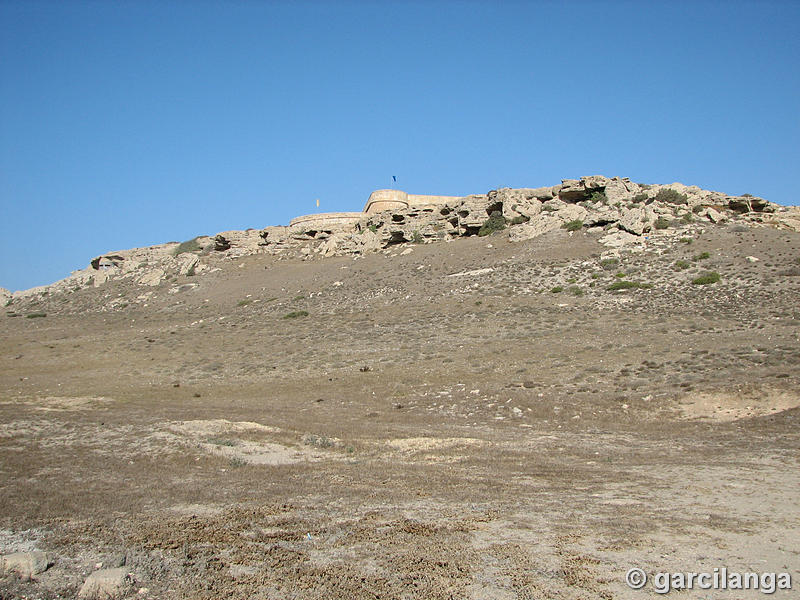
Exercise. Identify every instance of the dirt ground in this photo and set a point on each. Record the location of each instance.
(443, 423)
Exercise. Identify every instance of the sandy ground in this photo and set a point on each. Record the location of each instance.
(440, 425)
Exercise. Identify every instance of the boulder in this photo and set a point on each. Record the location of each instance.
(618, 239)
(571, 212)
(572, 190)
(106, 584)
(787, 217)
(472, 213)
(534, 228)
(541, 193)
(601, 216)
(153, 277)
(594, 183)
(637, 220)
(24, 564)
(221, 243)
(617, 191)
(187, 264)
(713, 215)
(100, 278)
(517, 203)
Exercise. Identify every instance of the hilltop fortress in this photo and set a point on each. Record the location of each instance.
(621, 214)
(379, 201)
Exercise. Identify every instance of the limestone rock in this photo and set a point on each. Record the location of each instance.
(595, 183)
(572, 190)
(533, 229)
(153, 277)
(786, 218)
(516, 203)
(541, 193)
(100, 278)
(221, 243)
(617, 191)
(637, 220)
(713, 215)
(106, 584)
(473, 212)
(24, 564)
(746, 204)
(618, 239)
(604, 215)
(187, 264)
(5, 297)
(572, 212)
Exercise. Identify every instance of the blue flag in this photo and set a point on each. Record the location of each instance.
(394, 178)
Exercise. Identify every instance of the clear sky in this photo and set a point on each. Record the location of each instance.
(126, 124)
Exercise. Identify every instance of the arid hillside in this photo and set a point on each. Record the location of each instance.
(512, 397)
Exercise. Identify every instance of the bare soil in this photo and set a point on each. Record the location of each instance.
(441, 424)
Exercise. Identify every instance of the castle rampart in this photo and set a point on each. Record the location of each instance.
(378, 201)
(381, 200)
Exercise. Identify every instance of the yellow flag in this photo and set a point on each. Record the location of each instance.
(317, 202)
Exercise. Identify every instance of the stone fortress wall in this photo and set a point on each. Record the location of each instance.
(378, 201)
(334, 220)
(381, 200)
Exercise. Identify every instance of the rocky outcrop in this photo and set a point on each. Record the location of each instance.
(221, 243)
(622, 211)
(106, 584)
(24, 564)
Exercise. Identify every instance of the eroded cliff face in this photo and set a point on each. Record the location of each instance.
(625, 212)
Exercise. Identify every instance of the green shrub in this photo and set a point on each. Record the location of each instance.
(698, 209)
(416, 238)
(707, 278)
(556, 290)
(221, 441)
(187, 246)
(627, 285)
(662, 223)
(670, 196)
(686, 240)
(680, 265)
(687, 218)
(36, 315)
(620, 275)
(295, 314)
(575, 225)
(640, 198)
(701, 256)
(549, 208)
(598, 197)
(609, 263)
(496, 222)
(318, 441)
(519, 220)
(576, 290)
(244, 302)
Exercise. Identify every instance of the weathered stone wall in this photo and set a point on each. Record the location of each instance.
(325, 221)
(381, 200)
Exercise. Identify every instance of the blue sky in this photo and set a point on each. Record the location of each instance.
(125, 124)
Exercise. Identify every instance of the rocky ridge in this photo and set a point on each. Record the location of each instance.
(624, 212)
